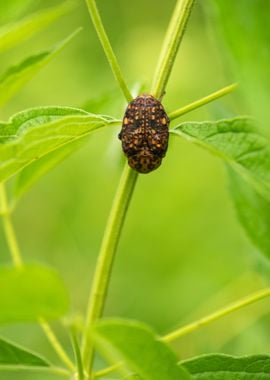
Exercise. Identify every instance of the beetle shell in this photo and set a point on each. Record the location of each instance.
(145, 133)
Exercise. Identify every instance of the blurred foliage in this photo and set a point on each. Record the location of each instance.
(137, 345)
(182, 252)
(243, 24)
(9, 11)
(21, 301)
(254, 211)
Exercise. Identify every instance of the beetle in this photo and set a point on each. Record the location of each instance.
(145, 133)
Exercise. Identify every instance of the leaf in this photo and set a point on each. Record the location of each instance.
(142, 351)
(33, 172)
(247, 150)
(13, 34)
(225, 367)
(31, 292)
(13, 355)
(31, 134)
(253, 211)
(237, 141)
(16, 76)
(242, 24)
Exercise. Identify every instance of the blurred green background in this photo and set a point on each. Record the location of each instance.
(182, 253)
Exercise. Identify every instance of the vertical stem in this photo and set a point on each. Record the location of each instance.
(18, 262)
(171, 45)
(8, 228)
(77, 353)
(105, 258)
(111, 57)
(127, 182)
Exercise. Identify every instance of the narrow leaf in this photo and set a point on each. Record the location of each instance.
(13, 34)
(140, 348)
(237, 140)
(225, 367)
(253, 211)
(31, 134)
(15, 77)
(13, 355)
(30, 293)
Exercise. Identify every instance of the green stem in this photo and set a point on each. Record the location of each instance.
(18, 262)
(189, 328)
(171, 45)
(259, 295)
(201, 102)
(128, 179)
(77, 353)
(56, 344)
(8, 229)
(107, 371)
(105, 258)
(111, 57)
(58, 371)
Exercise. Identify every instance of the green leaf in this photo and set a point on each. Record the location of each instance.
(247, 150)
(140, 348)
(31, 134)
(13, 34)
(31, 292)
(253, 211)
(13, 355)
(16, 76)
(237, 141)
(243, 26)
(225, 367)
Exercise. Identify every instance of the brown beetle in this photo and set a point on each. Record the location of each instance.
(145, 133)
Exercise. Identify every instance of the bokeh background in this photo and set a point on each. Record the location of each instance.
(182, 253)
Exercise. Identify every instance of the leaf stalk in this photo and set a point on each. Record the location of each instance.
(203, 101)
(237, 305)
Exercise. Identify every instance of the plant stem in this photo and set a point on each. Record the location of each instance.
(56, 344)
(248, 300)
(59, 371)
(77, 353)
(171, 45)
(18, 262)
(108, 370)
(111, 57)
(8, 229)
(128, 179)
(201, 102)
(105, 258)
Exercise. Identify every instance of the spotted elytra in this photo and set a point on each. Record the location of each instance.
(145, 133)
